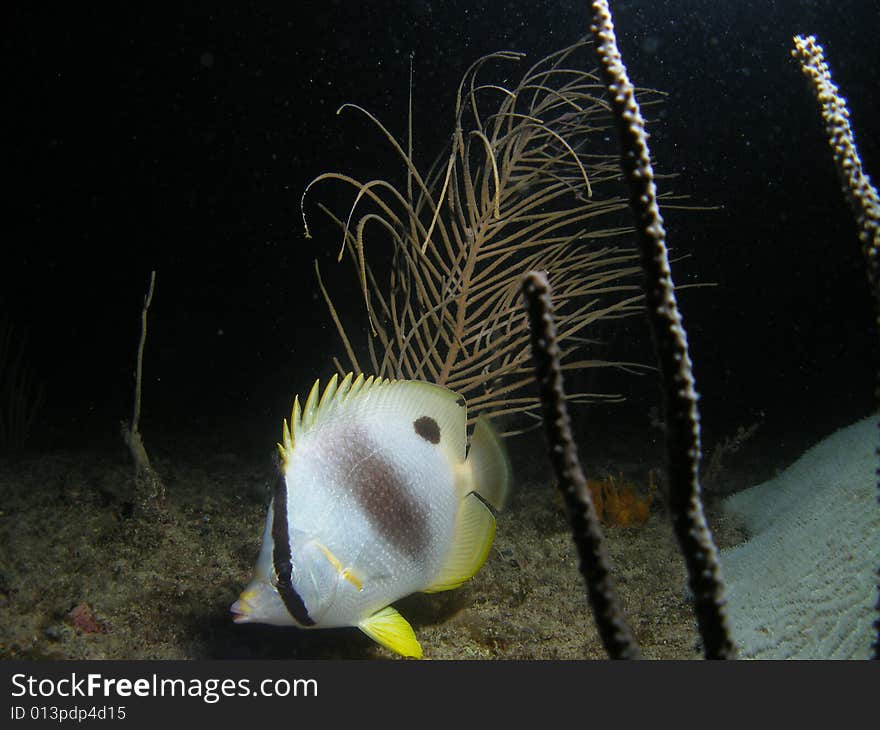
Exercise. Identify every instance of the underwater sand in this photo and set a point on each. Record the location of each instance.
(161, 589)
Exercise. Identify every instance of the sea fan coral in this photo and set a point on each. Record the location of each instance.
(527, 185)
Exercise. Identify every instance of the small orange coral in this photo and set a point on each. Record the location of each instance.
(619, 503)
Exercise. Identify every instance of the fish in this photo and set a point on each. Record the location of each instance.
(378, 496)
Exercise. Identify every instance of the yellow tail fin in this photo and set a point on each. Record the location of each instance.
(471, 542)
(490, 465)
(485, 488)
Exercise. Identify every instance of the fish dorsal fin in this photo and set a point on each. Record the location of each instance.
(436, 412)
(388, 628)
(471, 542)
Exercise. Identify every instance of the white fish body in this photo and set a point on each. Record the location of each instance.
(378, 498)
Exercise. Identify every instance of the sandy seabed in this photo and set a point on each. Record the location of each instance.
(83, 577)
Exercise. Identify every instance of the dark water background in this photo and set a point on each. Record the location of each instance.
(181, 140)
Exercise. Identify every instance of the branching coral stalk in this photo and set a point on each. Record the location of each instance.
(148, 484)
(595, 564)
(670, 340)
(857, 188)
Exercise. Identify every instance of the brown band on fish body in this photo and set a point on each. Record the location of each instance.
(427, 428)
(382, 492)
(293, 602)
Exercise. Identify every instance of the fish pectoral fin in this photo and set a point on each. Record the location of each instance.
(471, 542)
(388, 628)
(346, 573)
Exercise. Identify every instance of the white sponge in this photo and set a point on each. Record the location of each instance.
(804, 585)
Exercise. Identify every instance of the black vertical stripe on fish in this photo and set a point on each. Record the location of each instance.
(293, 602)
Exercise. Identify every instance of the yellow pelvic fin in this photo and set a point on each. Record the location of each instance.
(471, 542)
(490, 465)
(388, 628)
(344, 572)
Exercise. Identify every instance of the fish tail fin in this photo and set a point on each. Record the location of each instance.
(490, 465)
(471, 542)
(485, 486)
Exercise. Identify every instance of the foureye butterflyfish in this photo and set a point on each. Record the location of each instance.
(378, 496)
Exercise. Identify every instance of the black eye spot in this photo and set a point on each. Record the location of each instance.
(460, 402)
(427, 428)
